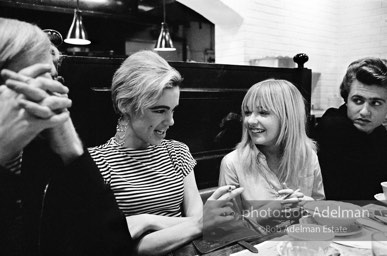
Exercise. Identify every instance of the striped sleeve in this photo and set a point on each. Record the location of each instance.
(14, 165)
(182, 157)
(98, 157)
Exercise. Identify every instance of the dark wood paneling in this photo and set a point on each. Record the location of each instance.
(209, 93)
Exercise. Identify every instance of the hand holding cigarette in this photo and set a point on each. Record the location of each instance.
(290, 194)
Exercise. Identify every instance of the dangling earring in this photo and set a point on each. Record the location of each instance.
(121, 131)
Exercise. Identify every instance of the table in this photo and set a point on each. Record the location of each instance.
(190, 249)
(347, 245)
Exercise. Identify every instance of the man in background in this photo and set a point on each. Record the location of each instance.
(352, 140)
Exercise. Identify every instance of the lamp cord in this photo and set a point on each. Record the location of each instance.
(164, 11)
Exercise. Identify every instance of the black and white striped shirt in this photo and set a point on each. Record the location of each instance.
(146, 180)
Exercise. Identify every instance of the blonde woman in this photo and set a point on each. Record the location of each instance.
(275, 155)
(152, 177)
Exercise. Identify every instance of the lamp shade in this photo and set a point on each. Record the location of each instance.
(164, 42)
(77, 34)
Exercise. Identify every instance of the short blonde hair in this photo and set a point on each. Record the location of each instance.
(140, 81)
(21, 42)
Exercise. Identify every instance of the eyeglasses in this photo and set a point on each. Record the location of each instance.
(54, 36)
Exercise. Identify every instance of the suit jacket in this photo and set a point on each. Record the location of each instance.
(352, 162)
(65, 210)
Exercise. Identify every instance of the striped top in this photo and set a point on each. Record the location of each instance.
(15, 164)
(146, 180)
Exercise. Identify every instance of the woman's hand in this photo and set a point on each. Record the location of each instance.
(218, 208)
(295, 197)
(289, 195)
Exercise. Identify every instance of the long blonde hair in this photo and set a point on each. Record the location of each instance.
(286, 102)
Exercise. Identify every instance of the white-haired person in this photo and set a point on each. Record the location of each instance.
(57, 203)
(153, 178)
(275, 157)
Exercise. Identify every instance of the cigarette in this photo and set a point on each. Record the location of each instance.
(288, 195)
(231, 189)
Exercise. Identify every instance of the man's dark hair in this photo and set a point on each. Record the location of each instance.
(369, 71)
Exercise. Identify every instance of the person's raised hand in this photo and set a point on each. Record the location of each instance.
(44, 97)
(218, 208)
(17, 126)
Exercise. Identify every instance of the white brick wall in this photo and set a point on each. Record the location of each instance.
(333, 33)
(196, 33)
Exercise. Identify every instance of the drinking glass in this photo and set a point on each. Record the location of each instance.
(296, 248)
(379, 244)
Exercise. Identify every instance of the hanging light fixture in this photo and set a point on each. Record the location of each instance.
(164, 42)
(77, 34)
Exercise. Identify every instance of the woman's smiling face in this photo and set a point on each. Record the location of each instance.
(263, 126)
(150, 127)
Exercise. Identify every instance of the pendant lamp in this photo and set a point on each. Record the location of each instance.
(164, 42)
(77, 34)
